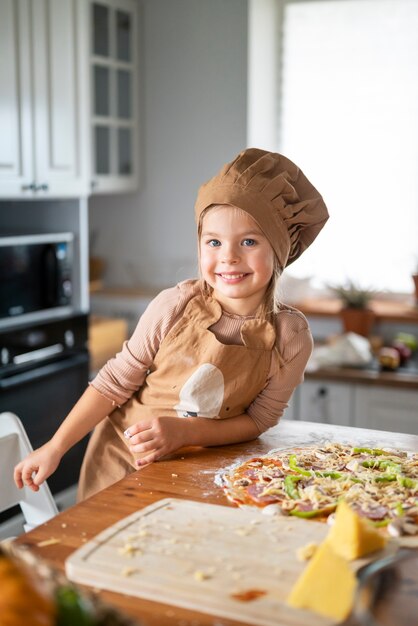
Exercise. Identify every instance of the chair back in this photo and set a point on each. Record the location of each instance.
(37, 507)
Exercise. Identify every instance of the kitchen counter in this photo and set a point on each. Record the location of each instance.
(404, 377)
(189, 474)
(384, 310)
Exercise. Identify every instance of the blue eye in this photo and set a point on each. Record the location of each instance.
(214, 243)
(249, 242)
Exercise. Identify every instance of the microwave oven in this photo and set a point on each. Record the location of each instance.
(36, 277)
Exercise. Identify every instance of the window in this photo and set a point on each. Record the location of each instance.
(347, 115)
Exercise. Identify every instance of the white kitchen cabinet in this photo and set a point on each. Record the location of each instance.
(44, 95)
(16, 159)
(114, 95)
(365, 406)
(386, 408)
(327, 402)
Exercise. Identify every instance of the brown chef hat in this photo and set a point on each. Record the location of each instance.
(275, 192)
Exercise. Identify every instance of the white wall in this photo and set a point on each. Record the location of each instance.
(193, 89)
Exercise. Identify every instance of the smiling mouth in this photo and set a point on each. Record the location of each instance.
(232, 277)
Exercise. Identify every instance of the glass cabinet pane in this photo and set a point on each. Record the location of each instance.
(101, 90)
(124, 94)
(100, 25)
(124, 151)
(113, 93)
(123, 36)
(102, 149)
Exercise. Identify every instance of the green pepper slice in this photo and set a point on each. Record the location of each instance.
(372, 451)
(314, 512)
(391, 465)
(409, 483)
(386, 478)
(382, 464)
(371, 464)
(381, 523)
(399, 509)
(295, 467)
(290, 486)
(327, 474)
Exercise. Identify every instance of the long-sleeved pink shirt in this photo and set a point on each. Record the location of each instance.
(124, 374)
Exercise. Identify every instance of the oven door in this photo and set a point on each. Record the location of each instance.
(42, 397)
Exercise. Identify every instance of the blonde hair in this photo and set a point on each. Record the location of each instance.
(271, 304)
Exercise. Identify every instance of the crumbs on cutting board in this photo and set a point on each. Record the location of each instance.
(306, 552)
(201, 575)
(129, 571)
(188, 552)
(130, 549)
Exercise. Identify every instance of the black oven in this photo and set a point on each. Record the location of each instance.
(44, 370)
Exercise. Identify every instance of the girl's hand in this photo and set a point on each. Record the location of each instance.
(37, 467)
(156, 437)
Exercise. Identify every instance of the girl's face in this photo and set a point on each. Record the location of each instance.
(236, 259)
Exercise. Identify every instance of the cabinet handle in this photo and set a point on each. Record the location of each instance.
(29, 187)
(42, 187)
(322, 402)
(93, 184)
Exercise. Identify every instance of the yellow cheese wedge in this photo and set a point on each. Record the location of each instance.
(352, 536)
(326, 586)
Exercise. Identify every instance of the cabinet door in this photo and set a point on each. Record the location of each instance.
(382, 408)
(59, 31)
(322, 401)
(114, 69)
(44, 98)
(16, 163)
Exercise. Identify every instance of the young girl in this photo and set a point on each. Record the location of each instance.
(212, 361)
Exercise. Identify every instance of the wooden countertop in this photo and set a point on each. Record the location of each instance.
(188, 474)
(385, 310)
(403, 378)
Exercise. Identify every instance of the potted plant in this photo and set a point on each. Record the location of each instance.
(415, 279)
(356, 315)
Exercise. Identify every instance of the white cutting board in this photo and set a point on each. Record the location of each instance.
(199, 556)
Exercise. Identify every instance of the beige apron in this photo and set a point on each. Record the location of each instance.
(193, 374)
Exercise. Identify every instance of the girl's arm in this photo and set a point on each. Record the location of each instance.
(268, 407)
(90, 409)
(156, 437)
(208, 432)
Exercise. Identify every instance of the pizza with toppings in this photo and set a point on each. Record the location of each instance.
(308, 482)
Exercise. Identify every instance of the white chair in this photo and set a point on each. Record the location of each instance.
(37, 507)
